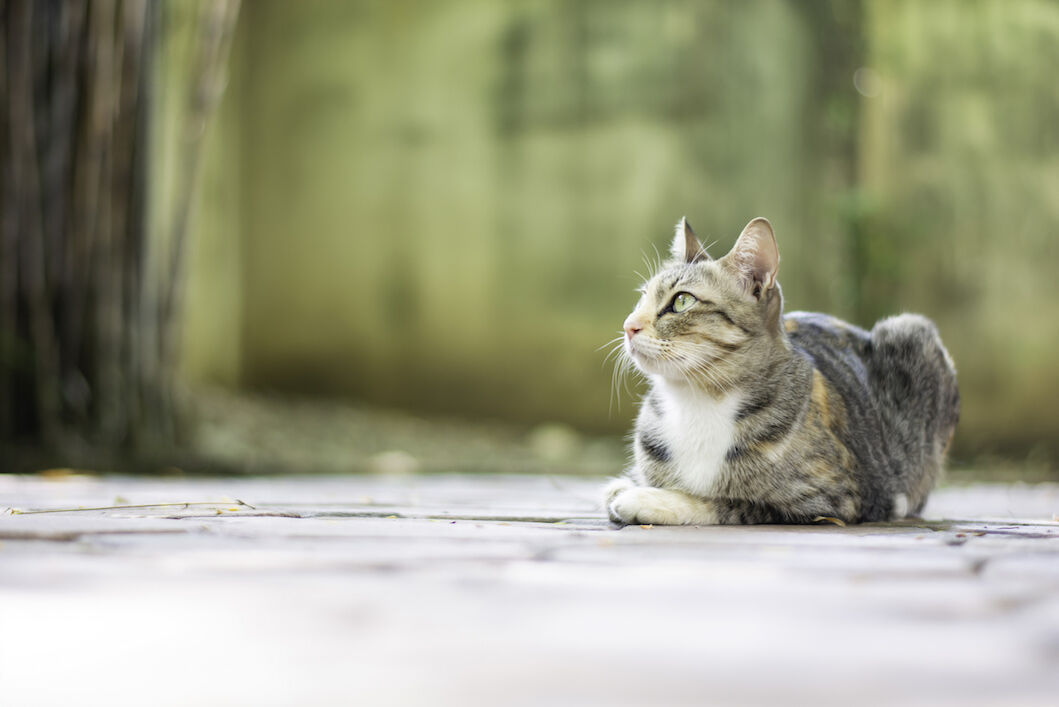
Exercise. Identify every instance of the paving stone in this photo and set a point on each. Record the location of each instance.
(514, 590)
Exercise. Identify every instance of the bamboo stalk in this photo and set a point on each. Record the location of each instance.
(82, 232)
(135, 245)
(8, 252)
(65, 36)
(215, 28)
(107, 55)
(90, 301)
(131, 21)
(26, 178)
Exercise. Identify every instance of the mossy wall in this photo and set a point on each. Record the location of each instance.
(960, 157)
(441, 205)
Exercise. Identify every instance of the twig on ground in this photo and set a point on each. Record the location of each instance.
(188, 504)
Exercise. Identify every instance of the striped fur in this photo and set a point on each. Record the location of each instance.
(754, 416)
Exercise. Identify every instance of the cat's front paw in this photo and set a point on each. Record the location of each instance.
(612, 490)
(654, 506)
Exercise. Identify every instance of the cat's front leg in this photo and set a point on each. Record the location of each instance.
(628, 503)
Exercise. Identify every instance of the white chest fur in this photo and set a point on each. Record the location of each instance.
(699, 429)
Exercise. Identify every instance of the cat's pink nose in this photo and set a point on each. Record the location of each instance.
(633, 326)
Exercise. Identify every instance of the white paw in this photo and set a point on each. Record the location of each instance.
(643, 504)
(613, 488)
(900, 506)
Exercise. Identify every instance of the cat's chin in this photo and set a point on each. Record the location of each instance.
(653, 367)
(672, 377)
(660, 369)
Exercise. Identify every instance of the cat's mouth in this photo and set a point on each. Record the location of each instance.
(672, 360)
(648, 355)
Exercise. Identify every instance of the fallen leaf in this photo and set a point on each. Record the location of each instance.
(63, 474)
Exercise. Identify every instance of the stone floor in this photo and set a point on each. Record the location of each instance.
(510, 590)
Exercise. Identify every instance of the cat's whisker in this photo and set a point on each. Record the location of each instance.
(615, 343)
(620, 364)
(616, 377)
(652, 266)
(712, 378)
(696, 371)
(613, 384)
(704, 378)
(658, 260)
(623, 365)
(695, 362)
(609, 342)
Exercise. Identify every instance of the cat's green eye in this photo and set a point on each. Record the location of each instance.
(683, 301)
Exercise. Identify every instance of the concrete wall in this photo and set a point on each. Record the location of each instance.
(960, 158)
(441, 204)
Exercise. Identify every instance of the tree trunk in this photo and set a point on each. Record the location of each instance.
(90, 300)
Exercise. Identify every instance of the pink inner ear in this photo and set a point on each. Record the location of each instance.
(686, 245)
(756, 254)
(696, 252)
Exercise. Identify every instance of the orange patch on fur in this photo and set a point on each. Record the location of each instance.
(819, 397)
(822, 398)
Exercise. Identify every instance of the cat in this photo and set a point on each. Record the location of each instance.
(754, 416)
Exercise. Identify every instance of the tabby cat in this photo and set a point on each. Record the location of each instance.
(754, 416)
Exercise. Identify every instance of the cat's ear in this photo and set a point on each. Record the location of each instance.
(686, 247)
(755, 257)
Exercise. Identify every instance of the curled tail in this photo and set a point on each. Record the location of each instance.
(914, 380)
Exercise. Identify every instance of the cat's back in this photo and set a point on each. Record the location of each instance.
(899, 355)
(901, 362)
(828, 340)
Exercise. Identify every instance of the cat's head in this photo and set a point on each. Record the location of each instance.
(703, 321)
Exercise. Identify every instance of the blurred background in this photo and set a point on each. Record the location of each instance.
(340, 235)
